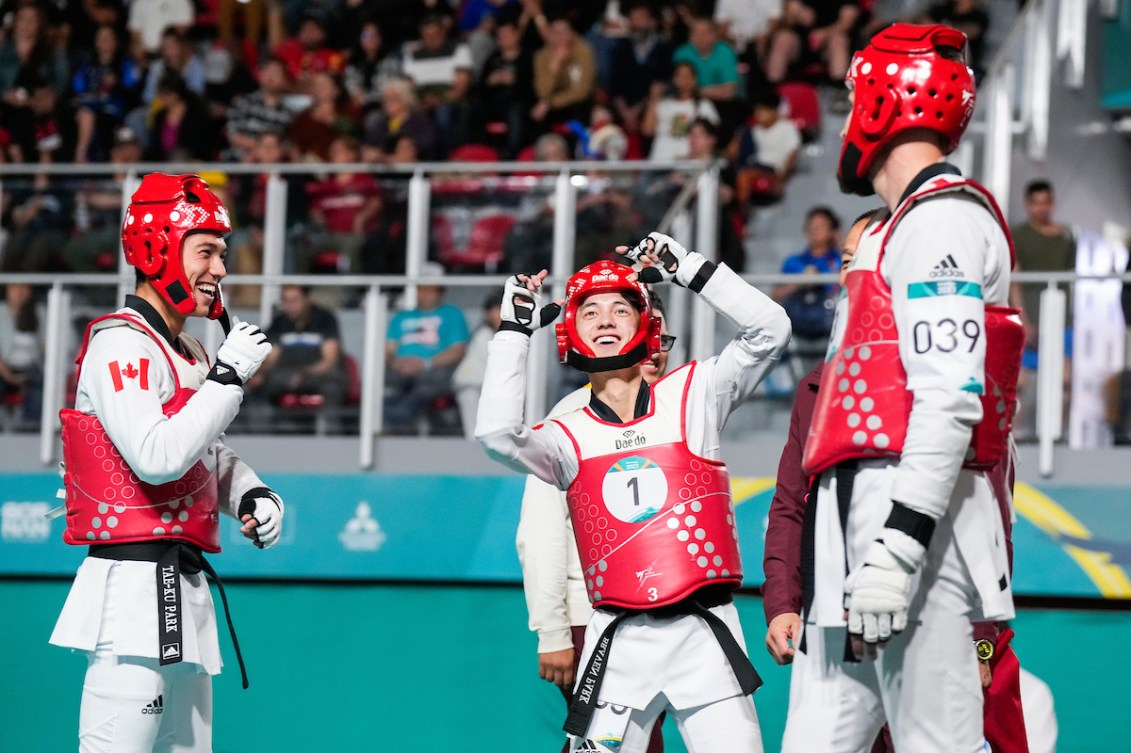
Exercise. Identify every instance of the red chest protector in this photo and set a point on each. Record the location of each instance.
(863, 404)
(653, 521)
(106, 502)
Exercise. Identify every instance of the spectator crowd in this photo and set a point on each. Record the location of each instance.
(391, 82)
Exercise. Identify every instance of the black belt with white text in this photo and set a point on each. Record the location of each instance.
(589, 684)
(172, 558)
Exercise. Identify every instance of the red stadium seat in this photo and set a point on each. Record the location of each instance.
(473, 153)
(804, 108)
(485, 241)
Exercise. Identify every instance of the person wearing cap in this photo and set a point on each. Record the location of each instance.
(147, 475)
(912, 414)
(423, 347)
(648, 494)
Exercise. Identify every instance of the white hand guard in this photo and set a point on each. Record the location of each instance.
(686, 268)
(521, 309)
(878, 592)
(241, 354)
(265, 507)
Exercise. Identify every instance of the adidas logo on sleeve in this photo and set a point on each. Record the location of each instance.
(156, 706)
(947, 267)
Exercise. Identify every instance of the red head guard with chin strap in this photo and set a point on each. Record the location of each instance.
(163, 211)
(607, 277)
(907, 77)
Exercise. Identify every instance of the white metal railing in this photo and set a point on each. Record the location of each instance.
(567, 176)
(702, 340)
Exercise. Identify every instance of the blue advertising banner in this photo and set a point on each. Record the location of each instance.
(1068, 541)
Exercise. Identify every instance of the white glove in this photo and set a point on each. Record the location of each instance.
(266, 509)
(877, 593)
(241, 354)
(669, 261)
(521, 309)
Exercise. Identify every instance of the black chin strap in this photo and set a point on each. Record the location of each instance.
(608, 363)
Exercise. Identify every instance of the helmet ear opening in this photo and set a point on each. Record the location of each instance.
(883, 114)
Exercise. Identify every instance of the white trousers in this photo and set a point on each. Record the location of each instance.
(134, 705)
(726, 726)
(924, 681)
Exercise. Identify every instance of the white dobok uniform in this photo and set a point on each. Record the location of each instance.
(923, 681)
(656, 662)
(551, 569)
(130, 702)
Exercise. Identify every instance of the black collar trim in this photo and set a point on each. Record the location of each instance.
(154, 320)
(607, 414)
(932, 171)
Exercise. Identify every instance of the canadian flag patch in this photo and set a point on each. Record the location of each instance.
(140, 374)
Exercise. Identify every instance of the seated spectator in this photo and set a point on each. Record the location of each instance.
(671, 111)
(813, 32)
(307, 357)
(306, 54)
(81, 21)
(150, 19)
(29, 61)
(422, 349)
(345, 206)
(565, 77)
(811, 307)
(178, 56)
(181, 128)
(468, 377)
(399, 116)
(440, 69)
(37, 131)
(506, 91)
(261, 111)
(716, 69)
(329, 116)
(404, 24)
(106, 87)
(38, 219)
(640, 59)
(769, 148)
(371, 65)
(21, 351)
(603, 139)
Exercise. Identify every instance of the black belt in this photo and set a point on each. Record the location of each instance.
(172, 558)
(845, 480)
(585, 697)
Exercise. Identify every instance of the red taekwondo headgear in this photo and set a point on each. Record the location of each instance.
(907, 77)
(607, 277)
(163, 211)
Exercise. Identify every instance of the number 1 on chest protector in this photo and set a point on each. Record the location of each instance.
(634, 489)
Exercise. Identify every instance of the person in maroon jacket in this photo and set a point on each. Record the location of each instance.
(783, 589)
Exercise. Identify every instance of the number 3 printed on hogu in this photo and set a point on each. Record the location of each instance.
(945, 335)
